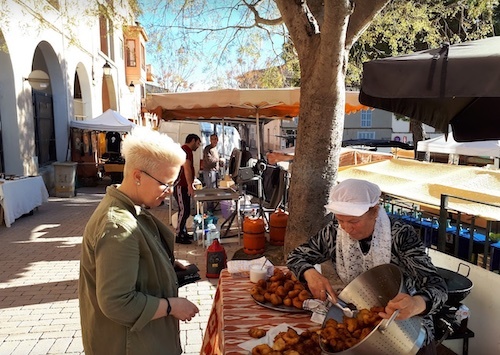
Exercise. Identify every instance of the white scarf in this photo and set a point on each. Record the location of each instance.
(350, 260)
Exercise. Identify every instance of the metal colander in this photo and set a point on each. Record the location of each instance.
(372, 288)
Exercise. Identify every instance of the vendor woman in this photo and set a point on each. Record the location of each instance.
(360, 237)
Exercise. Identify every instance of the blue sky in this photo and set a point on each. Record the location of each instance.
(205, 65)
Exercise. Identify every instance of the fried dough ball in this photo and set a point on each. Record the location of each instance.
(288, 285)
(331, 323)
(304, 295)
(368, 317)
(273, 286)
(291, 336)
(280, 291)
(350, 342)
(279, 344)
(342, 336)
(297, 303)
(276, 300)
(279, 287)
(351, 324)
(364, 333)
(262, 284)
(277, 276)
(262, 349)
(256, 332)
(259, 298)
(291, 343)
(298, 286)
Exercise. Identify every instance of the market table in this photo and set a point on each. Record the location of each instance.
(234, 312)
(216, 194)
(21, 196)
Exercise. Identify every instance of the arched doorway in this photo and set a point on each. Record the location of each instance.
(43, 116)
(50, 108)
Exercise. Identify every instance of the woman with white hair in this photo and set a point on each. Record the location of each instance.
(128, 288)
(360, 237)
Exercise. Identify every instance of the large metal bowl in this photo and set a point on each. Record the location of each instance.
(374, 288)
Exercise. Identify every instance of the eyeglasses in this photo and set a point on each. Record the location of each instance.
(167, 186)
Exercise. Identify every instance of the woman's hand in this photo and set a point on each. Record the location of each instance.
(182, 308)
(408, 306)
(179, 266)
(318, 285)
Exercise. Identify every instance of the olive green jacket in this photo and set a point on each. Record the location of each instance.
(125, 269)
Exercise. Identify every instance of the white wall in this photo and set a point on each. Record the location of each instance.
(68, 39)
(483, 303)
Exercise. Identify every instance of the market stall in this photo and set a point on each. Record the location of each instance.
(95, 145)
(20, 196)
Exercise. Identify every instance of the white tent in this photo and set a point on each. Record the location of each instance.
(450, 146)
(108, 121)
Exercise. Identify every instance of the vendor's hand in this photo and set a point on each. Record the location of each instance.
(408, 306)
(190, 190)
(182, 308)
(318, 285)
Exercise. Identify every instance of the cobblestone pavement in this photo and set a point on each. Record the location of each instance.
(39, 266)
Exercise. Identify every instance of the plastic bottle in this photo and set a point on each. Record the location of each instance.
(212, 234)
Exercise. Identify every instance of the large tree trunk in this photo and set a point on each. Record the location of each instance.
(417, 130)
(319, 30)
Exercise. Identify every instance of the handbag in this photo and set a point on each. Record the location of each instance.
(187, 276)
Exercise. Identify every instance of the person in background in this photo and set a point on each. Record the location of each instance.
(211, 165)
(128, 288)
(360, 237)
(184, 189)
(246, 155)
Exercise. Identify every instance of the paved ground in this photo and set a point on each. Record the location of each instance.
(39, 265)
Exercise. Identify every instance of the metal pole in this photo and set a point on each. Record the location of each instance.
(443, 216)
(258, 132)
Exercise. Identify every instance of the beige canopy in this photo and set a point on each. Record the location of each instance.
(235, 103)
(424, 183)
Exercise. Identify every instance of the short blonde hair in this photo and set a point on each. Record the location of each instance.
(146, 149)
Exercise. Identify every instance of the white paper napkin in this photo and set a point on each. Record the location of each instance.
(268, 338)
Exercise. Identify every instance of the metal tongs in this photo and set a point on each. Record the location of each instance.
(349, 309)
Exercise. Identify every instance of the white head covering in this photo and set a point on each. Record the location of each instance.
(353, 197)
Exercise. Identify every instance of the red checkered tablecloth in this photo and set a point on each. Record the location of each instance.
(234, 312)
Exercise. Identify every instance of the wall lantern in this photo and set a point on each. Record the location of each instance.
(38, 79)
(131, 87)
(106, 69)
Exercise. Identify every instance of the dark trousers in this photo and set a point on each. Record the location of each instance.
(184, 202)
